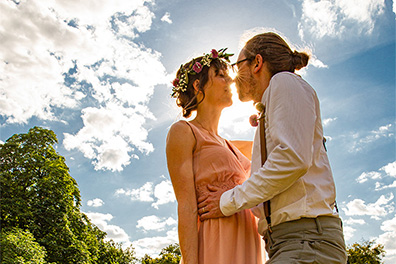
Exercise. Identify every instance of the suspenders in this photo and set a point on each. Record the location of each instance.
(263, 148)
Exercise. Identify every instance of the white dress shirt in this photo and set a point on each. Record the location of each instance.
(296, 176)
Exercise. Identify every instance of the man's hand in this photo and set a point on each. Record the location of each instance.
(209, 204)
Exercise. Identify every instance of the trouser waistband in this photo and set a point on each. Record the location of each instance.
(319, 223)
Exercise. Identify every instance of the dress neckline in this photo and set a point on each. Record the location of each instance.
(226, 145)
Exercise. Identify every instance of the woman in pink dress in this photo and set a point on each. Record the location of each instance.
(199, 159)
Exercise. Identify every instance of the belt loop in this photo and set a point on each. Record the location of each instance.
(318, 226)
(268, 238)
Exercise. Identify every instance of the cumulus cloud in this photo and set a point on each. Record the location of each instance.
(388, 239)
(349, 230)
(368, 175)
(353, 221)
(143, 194)
(327, 121)
(114, 232)
(394, 7)
(164, 193)
(388, 170)
(361, 141)
(166, 18)
(80, 55)
(95, 202)
(334, 18)
(153, 245)
(159, 194)
(153, 222)
(382, 207)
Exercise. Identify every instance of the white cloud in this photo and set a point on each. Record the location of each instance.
(95, 202)
(394, 7)
(166, 18)
(159, 194)
(334, 17)
(348, 232)
(390, 169)
(388, 239)
(33, 41)
(317, 63)
(153, 222)
(153, 245)
(352, 221)
(109, 134)
(113, 232)
(143, 194)
(368, 175)
(327, 121)
(164, 193)
(360, 142)
(382, 207)
(42, 41)
(380, 186)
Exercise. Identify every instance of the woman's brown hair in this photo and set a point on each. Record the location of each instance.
(187, 100)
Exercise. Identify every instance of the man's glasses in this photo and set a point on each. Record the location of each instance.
(234, 66)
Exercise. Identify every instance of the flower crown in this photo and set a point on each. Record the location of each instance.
(180, 84)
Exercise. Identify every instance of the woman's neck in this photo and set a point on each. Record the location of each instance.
(208, 118)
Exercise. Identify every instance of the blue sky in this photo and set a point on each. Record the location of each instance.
(98, 74)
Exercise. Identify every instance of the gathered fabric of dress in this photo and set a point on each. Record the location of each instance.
(232, 239)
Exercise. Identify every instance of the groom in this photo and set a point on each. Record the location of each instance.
(291, 188)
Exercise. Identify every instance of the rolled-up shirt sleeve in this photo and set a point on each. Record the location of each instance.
(290, 125)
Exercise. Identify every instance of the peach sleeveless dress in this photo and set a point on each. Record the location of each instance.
(233, 239)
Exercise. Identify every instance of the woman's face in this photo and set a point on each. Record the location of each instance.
(218, 90)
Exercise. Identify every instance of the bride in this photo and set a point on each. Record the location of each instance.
(199, 160)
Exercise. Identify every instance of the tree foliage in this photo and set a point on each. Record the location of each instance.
(19, 246)
(367, 252)
(39, 195)
(169, 255)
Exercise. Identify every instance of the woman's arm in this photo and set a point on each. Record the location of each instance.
(244, 146)
(179, 152)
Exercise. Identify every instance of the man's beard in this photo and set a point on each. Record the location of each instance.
(245, 84)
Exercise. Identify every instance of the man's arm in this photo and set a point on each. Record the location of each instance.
(290, 122)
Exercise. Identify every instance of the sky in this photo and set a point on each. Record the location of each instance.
(98, 73)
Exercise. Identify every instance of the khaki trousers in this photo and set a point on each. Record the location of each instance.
(307, 240)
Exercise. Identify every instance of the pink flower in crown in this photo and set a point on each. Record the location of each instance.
(175, 82)
(215, 54)
(253, 120)
(197, 67)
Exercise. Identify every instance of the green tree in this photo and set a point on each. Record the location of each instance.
(169, 255)
(367, 252)
(39, 195)
(19, 246)
(112, 253)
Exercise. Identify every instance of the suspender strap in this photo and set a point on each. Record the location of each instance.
(263, 148)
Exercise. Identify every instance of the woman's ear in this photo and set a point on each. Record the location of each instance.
(196, 85)
(258, 63)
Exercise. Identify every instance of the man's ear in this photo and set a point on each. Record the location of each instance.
(258, 63)
(196, 85)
